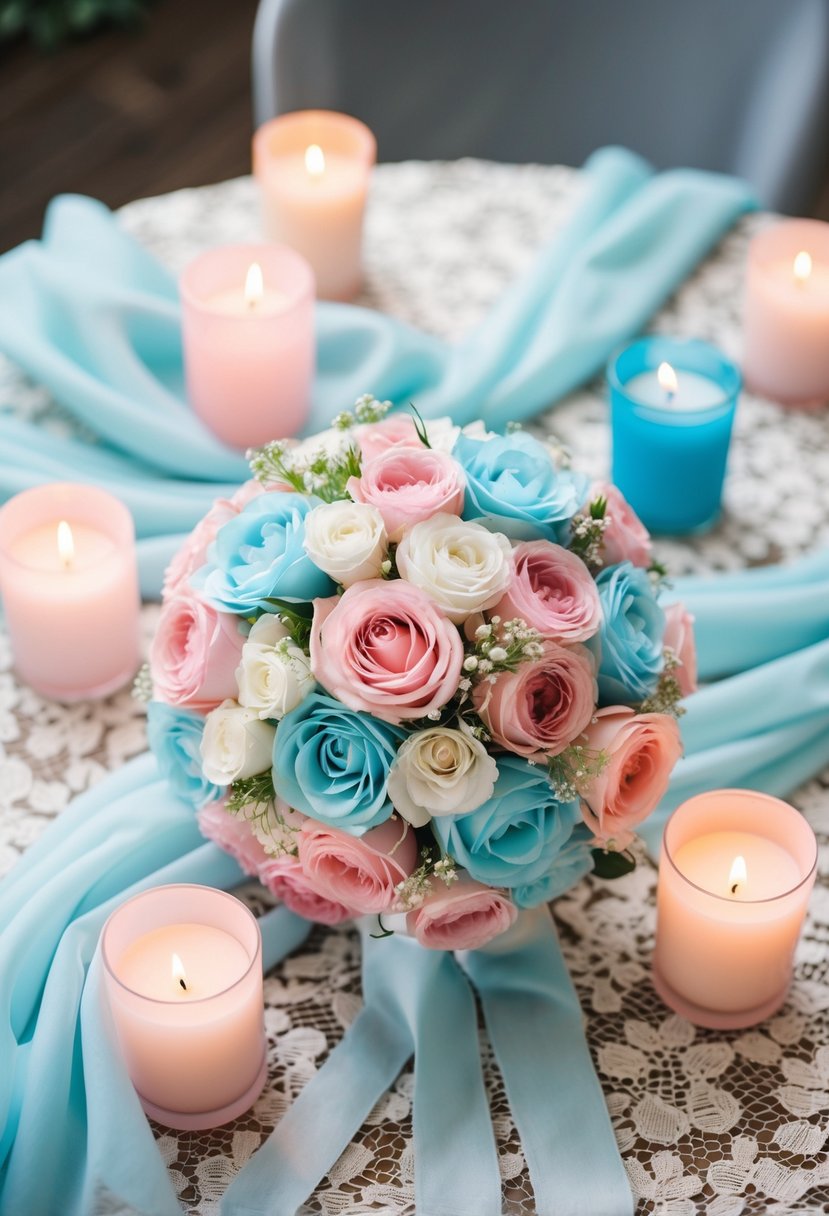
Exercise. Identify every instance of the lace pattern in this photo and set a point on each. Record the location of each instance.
(728, 1124)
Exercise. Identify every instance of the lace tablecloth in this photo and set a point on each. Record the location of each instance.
(721, 1123)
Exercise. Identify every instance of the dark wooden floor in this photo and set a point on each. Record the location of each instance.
(124, 115)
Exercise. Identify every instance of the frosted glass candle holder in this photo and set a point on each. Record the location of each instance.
(183, 974)
(735, 873)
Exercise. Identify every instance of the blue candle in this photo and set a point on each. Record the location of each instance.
(672, 407)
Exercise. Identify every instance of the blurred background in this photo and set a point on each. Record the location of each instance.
(122, 99)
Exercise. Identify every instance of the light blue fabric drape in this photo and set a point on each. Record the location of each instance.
(95, 318)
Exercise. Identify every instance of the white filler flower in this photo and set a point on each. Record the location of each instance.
(347, 540)
(274, 674)
(440, 771)
(463, 566)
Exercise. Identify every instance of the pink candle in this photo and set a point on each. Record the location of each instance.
(735, 874)
(183, 973)
(786, 340)
(313, 168)
(69, 581)
(248, 333)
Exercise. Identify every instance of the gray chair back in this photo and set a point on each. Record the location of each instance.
(740, 86)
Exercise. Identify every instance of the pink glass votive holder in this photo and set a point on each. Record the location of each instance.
(313, 168)
(735, 873)
(786, 323)
(69, 582)
(248, 334)
(183, 976)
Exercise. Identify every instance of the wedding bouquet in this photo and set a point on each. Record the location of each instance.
(419, 672)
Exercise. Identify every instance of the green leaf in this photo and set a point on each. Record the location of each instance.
(607, 864)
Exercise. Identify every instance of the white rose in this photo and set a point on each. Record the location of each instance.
(274, 674)
(347, 540)
(463, 566)
(440, 771)
(235, 744)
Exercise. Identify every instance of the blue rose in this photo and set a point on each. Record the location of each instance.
(259, 555)
(175, 741)
(513, 839)
(514, 487)
(629, 640)
(333, 763)
(569, 867)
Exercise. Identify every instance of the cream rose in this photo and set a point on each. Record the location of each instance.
(235, 744)
(347, 540)
(274, 674)
(463, 566)
(440, 771)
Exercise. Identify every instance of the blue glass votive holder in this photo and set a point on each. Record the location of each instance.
(670, 444)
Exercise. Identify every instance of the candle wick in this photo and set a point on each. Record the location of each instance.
(734, 887)
(184, 986)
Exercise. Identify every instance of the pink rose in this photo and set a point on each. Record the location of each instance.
(386, 648)
(625, 538)
(193, 553)
(540, 708)
(398, 430)
(285, 878)
(553, 591)
(464, 916)
(195, 653)
(408, 484)
(360, 872)
(231, 834)
(679, 637)
(641, 751)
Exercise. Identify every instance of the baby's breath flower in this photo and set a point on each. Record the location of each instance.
(470, 662)
(497, 654)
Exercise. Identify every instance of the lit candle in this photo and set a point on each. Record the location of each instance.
(183, 967)
(69, 581)
(313, 169)
(248, 334)
(786, 326)
(672, 408)
(735, 874)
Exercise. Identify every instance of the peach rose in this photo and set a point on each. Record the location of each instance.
(642, 750)
(285, 878)
(553, 591)
(464, 916)
(195, 653)
(540, 708)
(408, 484)
(231, 834)
(387, 649)
(679, 637)
(358, 872)
(626, 539)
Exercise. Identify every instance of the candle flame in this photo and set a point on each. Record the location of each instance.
(802, 267)
(738, 875)
(666, 376)
(254, 285)
(314, 160)
(179, 974)
(66, 544)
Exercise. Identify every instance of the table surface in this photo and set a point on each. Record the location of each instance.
(730, 1124)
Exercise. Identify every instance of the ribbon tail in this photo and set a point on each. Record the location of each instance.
(320, 1123)
(534, 1021)
(455, 1155)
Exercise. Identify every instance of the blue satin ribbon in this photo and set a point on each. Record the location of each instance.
(93, 317)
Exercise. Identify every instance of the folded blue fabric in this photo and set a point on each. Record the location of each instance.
(95, 318)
